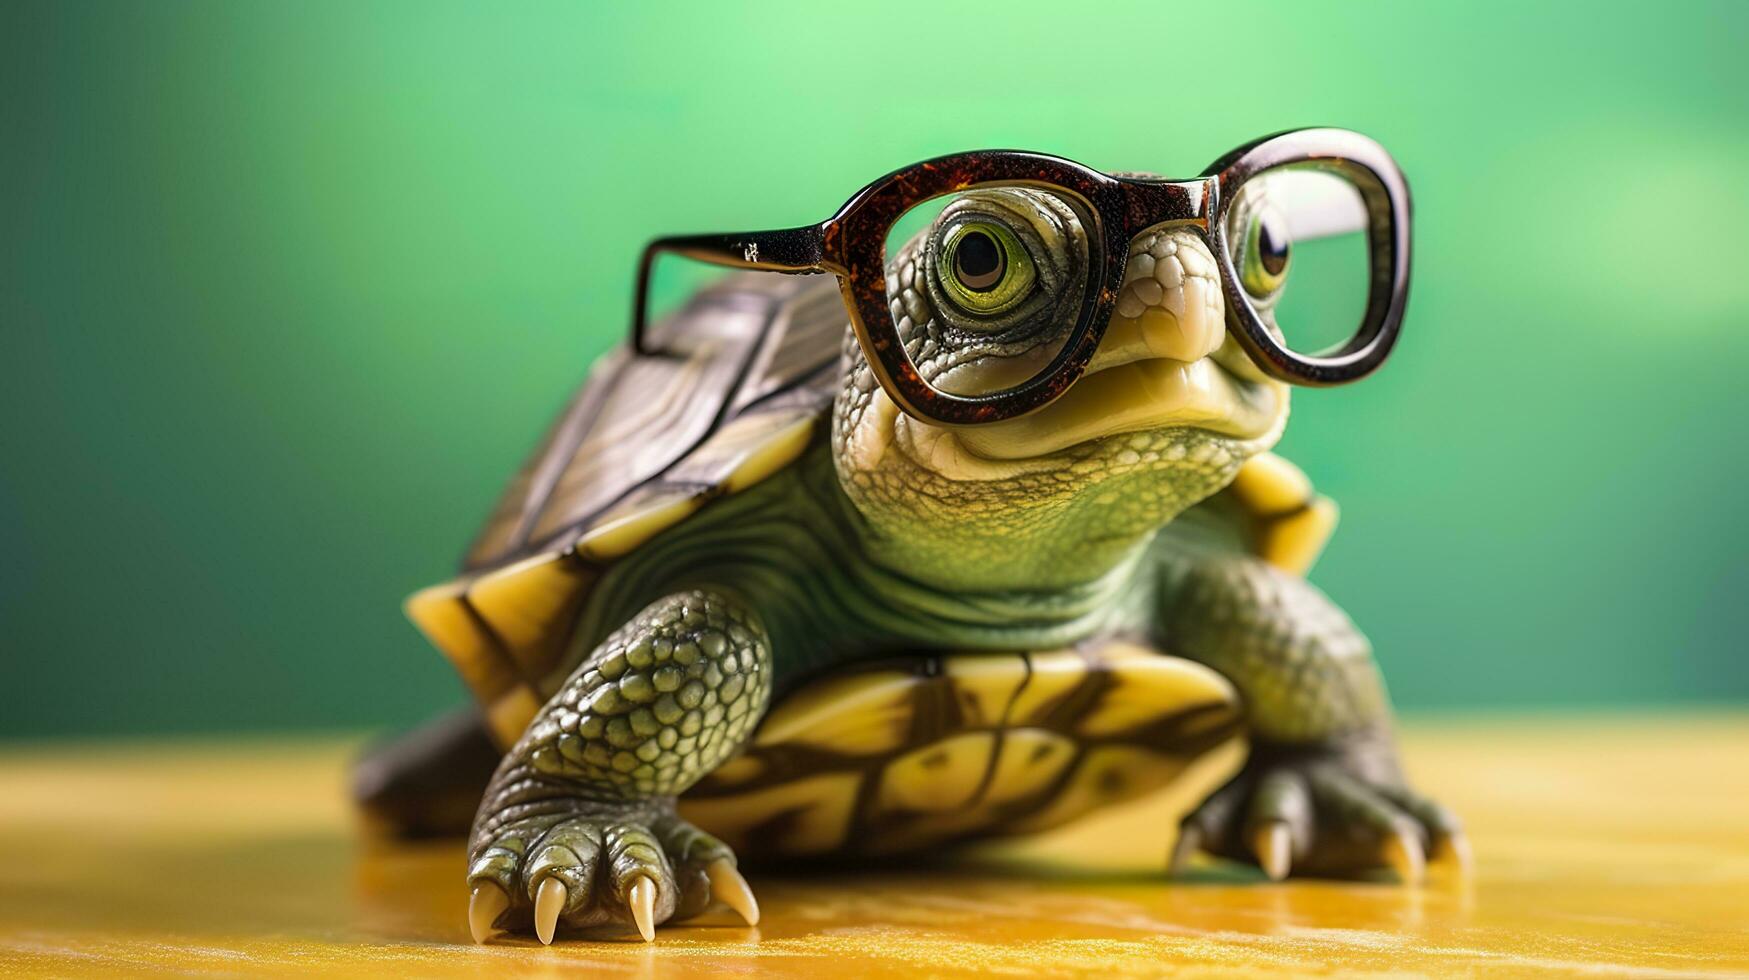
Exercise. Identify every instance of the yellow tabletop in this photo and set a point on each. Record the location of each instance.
(1605, 845)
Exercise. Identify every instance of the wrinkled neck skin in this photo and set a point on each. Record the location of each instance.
(1076, 519)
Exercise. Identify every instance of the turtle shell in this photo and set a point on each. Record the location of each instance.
(740, 380)
(900, 756)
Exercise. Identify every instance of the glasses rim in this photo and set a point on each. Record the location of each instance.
(852, 245)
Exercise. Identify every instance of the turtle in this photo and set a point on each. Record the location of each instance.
(739, 606)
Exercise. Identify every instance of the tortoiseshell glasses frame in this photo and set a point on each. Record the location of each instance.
(852, 244)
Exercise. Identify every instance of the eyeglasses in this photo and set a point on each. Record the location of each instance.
(999, 301)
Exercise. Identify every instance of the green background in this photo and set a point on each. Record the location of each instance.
(289, 289)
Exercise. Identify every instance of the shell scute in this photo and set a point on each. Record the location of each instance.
(734, 395)
(1289, 522)
(860, 713)
(1031, 759)
(939, 777)
(1111, 721)
(810, 815)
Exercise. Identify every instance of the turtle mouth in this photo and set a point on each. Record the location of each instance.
(1154, 370)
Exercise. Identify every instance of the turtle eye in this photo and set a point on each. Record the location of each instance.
(1267, 251)
(984, 268)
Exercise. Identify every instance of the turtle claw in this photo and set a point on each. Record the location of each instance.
(548, 903)
(633, 868)
(642, 902)
(1340, 810)
(486, 904)
(1453, 848)
(728, 887)
(1273, 847)
(1188, 843)
(1403, 854)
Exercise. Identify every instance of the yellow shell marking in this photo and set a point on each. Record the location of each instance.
(1269, 485)
(1293, 523)
(1030, 759)
(818, 811)
(740, 769)
(938, 777)
(633, 524)
(1147, 687)
(441, 615)
(776, 450)
(1054, 675)
(1109, 774)
(519, 612)
(857, 714)
(996, 768)
(528, 605)
(984, 684)
(509, 714)
(1294, 543)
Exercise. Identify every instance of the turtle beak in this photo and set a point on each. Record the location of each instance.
(1171, 307)
(1186, 325)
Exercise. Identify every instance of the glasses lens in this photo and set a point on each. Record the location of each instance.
(1299, 243)
(985, 286)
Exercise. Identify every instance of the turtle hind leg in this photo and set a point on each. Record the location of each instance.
(427, 782)
(578, 827)
(1321, 792)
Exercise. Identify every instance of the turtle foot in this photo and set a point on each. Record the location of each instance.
(611, 866)
(1336, 811)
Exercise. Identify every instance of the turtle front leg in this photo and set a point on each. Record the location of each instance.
(578, 825)
(1322, 791)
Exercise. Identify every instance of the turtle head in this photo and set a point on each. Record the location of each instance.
(985, 297)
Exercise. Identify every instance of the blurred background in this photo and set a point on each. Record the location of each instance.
(287, 292)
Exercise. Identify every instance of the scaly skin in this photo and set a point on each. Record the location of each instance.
(1055, 528)
(1322, 791)
(581, 810)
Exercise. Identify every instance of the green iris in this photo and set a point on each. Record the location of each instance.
(1267, 249)
(984, 268)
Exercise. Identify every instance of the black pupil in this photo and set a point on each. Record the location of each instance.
(979, 261)
(1271, 248)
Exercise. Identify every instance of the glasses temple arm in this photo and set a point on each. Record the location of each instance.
(797, 251)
